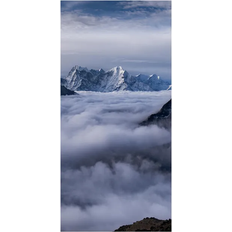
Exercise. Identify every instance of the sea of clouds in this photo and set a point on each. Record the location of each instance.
(113, 171)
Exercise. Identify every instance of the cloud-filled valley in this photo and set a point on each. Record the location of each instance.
(113, 171)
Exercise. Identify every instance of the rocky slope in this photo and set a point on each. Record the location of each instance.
(148, 224)
(161, 118)
(115, 79)
(65, 91)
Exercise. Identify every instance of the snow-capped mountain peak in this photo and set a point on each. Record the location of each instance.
(117, 69)
(154, 77)
(80, 68)
(101, 70)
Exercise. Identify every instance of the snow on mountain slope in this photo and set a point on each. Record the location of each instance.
(115, 79)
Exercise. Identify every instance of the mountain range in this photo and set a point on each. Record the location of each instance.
(115, 79)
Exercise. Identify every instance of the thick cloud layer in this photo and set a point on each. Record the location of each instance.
(114, 172)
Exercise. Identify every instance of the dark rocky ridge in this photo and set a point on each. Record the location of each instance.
(161, 118)
(148, 224)
(65, 91)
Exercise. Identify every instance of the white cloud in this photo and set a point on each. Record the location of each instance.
(114, 171)
(76, 19)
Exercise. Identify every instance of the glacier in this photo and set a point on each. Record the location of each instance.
(116, 79)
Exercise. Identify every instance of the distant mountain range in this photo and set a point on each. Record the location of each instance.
(115, 79)
(148, 224)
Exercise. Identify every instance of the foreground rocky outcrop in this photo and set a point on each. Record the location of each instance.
(162, 118)
(148, 224)
(65, 91)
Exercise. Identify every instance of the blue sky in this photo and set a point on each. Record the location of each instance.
(133, 34)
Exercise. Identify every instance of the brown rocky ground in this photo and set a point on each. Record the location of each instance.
(148, 224)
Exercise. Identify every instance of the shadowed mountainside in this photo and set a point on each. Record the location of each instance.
(161, 118)
(65, 91)
(148, 224)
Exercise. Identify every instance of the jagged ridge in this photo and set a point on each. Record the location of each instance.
(115, 79)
